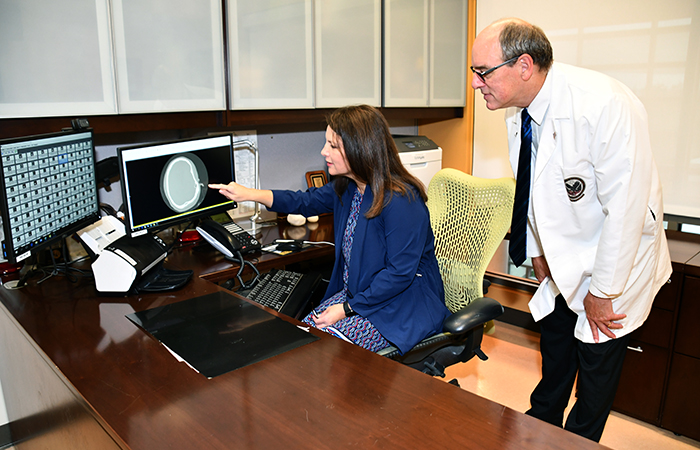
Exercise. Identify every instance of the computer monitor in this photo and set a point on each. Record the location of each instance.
(164, 184)
(47, 190)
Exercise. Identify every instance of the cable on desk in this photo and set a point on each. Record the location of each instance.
(284, 241)
(319, 242)
(55, 269)
(242, 263)
(177, 237)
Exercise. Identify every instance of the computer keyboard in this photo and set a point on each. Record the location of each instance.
(284, 291)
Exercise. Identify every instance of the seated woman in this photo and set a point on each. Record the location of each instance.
(385, 287)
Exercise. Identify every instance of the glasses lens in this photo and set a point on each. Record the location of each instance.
(478, 74)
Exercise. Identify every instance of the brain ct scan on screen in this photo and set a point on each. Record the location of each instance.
(166, 183)
(183, 182)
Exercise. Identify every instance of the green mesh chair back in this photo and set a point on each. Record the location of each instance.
(470, 217)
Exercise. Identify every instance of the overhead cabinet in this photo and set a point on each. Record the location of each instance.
(55, 60)
(271, 53)
(169, 55)
(303, 53)
(149, 56)
(425, 44)
(348, 52)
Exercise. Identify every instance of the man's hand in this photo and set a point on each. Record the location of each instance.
(600, 316)
(539, 264)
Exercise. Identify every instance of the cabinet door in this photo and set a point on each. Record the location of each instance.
(406, 52)
(425, 57)
(667, 297)
(657, 329)
(271, 53)
(688, 331)
(682, 406)
(448, 52)
(169, 55)
(347, 52)
(55, 60)
(642, 381)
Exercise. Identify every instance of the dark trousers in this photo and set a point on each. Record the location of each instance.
(598, 366)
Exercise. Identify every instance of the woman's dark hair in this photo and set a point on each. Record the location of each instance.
(518, 37)
(372, 156)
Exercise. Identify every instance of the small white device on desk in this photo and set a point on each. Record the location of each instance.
(124, 261)
(99, 235)
(124, 264)
(135, 265)
(421, 156)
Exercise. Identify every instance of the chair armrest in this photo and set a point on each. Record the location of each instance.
(476, 313)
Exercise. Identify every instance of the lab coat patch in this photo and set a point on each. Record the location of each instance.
(575, 187)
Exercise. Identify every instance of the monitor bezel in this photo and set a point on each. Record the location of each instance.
(178, 219)
(63, 233)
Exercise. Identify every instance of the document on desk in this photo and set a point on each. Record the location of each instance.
(218, 333)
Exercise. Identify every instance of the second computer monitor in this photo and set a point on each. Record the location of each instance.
(47, 190)
(164, 184)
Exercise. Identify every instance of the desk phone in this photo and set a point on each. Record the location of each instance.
(228, 238)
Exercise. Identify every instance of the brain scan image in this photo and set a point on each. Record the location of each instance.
(183, 182)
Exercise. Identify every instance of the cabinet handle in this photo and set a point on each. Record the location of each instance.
(635, 349)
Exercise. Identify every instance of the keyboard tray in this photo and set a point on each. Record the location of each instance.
(284, 291)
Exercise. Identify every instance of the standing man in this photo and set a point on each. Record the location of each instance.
(588, 211)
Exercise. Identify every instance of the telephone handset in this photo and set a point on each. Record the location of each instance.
(229, 238)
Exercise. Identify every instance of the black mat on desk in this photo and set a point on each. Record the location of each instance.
(217, 333)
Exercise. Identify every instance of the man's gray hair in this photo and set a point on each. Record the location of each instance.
(518, 38)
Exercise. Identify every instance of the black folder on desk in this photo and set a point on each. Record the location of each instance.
(218, 332)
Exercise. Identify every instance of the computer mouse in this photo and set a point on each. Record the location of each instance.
(290, 245)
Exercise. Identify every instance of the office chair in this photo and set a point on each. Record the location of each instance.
(469, 217)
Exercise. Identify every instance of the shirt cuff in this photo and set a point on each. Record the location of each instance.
(598, 293)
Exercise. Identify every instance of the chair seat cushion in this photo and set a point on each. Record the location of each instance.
(455, 328)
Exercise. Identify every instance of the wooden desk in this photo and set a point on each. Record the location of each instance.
(77, 374)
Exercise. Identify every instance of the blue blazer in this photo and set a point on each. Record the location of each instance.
(394, 279)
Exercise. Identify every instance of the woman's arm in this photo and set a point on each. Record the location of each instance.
(236, 192)
(308, 203)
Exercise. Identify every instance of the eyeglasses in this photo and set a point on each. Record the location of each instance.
(482, 75)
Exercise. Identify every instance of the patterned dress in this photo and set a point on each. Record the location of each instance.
(355, 329)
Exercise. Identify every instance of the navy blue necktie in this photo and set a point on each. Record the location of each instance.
(518, 226)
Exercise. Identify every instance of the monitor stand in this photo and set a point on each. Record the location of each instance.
(25, 272)
(42, 262)
(255, 223)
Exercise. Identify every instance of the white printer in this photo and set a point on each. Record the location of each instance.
(421, 156)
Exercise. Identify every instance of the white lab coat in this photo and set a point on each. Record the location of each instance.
(605, 233)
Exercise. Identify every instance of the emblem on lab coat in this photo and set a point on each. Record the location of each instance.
(575, 187)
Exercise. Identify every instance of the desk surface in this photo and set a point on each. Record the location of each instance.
(326, 394)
